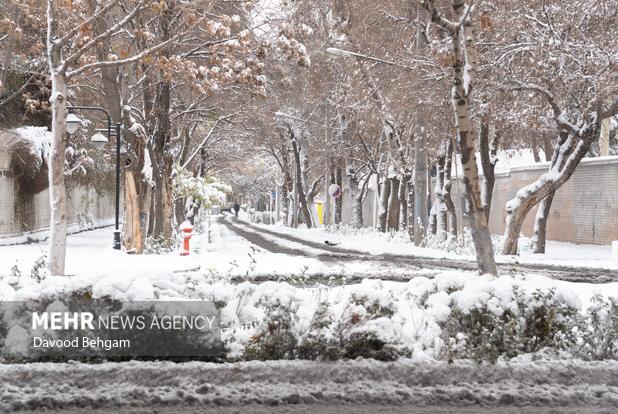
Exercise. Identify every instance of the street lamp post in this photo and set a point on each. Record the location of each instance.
(73, 124)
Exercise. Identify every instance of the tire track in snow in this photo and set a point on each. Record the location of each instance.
(566, 273)
(124, 387)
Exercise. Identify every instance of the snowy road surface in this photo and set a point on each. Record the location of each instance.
(336, 409)
(533, 386)
(280, 241)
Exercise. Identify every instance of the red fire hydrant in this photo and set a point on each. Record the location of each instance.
(186, 232)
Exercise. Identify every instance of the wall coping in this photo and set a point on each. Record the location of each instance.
(607, 160)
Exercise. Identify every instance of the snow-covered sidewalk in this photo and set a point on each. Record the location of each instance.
(90, 254)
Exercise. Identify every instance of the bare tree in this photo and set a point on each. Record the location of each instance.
(463, 58)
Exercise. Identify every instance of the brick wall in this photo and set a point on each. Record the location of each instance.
(85, 206)
(584, 210)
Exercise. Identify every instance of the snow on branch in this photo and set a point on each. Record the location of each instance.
(65, 39)
(559, 115)
(106, 34)
(437, 18)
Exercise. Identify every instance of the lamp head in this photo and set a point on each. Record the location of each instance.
(73, 123)
(99, 140)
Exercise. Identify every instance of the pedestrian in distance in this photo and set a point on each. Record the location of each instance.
(236, 209)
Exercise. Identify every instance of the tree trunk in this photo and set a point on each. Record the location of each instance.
(548, 147)
(440, 204)
(532, 194)
(137, 187)
(109, 74)
(338, 200)
(163, 199)
(57, 191)
(446, 189)
(411, 223)
(463, 123)
(383, 210)
(293, 219)
(311, 193)
(285, 196)
(488, 150)
(464, 71)
(327, 213)
(160, 154)
(403, 202)
(393, 205)
(420, 188)
(542, 214)
(300, 193)
(432, 221)
(540, 223)
(356, 197)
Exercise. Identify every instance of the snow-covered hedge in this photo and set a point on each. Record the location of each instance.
(453, 315)
(461, 244)
(261, 216)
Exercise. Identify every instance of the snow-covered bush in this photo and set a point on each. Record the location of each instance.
(159, 244)
(264, 217)
(39, 269)
(598, 330)
(318, 342)
(85, 216)
(207, 190)
(38, 272)
(368, 344)
(488, 332)
(355, 333)
(462, 244)
(275, 338)
(451, 315)
(347, 230)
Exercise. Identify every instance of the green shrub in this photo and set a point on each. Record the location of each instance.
(159, 245)
(484, 335)
(319, 343)
(274, 338)
(366, 344)
(599, 330)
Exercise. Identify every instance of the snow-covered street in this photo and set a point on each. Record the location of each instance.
(566, 262)
(320, 387)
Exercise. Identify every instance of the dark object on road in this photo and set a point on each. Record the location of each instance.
(236, 208)
(330, 243)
